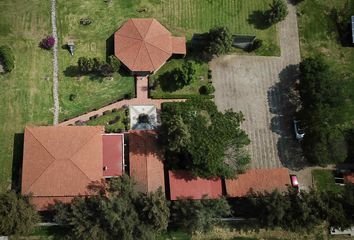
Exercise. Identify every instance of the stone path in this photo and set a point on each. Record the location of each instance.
(55, 64)
(254, 85)
(141, 99)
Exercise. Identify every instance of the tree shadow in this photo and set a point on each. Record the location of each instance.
(72, 71)
(259, 19)
(17, 157)
(343, 27)
(283, 103)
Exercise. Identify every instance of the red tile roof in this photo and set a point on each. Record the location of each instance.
(143, 44)
(179, 45)
(258, 180)
(61, 161)
(113, 158)
(146, 161)
(184, 185)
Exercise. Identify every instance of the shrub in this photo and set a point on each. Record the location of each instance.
(209, 74)
(106, 112)
(72, 97)
(93, 117)
(112, 122)
(206, 89)
(106, 70)
(277, 12)
(114, 110)
(257, 43)
(128, 95)
(7, 58)
(47, 43)
(220, 41)
(85, 21)
(117, 118)
(85, 65)
(114, 62)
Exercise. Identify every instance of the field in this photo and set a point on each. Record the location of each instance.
(164, 87)
(26, 93)
(324, 181)
(319, 35)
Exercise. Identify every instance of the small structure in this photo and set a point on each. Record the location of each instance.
(71, 47)
(183, 185)
(144, 45)
(348, 232)
(143, 117)
(243, 41)
(146, 161)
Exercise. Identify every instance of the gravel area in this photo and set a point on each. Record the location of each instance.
(257, 86)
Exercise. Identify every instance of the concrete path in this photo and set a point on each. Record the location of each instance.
(55, 64)
(255, 85)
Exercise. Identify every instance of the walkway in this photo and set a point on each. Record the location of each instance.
(254, 85)
(141, 99)
(55, 64)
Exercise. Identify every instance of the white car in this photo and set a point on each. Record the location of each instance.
(299, 132)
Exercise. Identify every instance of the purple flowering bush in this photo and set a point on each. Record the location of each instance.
(47, 43)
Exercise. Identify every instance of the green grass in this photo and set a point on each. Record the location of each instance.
(324, 181)
(191, 89)
(319, 36)
(26, 93)
(104, 119)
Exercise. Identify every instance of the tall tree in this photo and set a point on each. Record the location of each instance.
(220, 41)
(277, 12)
(18, 215)
(199, 138)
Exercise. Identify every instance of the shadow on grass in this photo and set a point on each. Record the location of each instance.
(109, 46)
(259, 20)
(72, 71)
(17, 162)
(167, 82)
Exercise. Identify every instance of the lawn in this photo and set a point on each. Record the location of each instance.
(324, 181)
(162, 84)
(319, 35)
(114, 121)
(26, 93)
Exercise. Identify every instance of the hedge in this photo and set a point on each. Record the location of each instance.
(7, 58)
(180, 96)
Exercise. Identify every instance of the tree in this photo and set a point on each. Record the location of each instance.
(277, 12)
(322, 99)
(85, 65)
(114, 62)
(198, 137)
(117, 211)
(199, 215)
(18, 215)
(7, 58)
(47, 42)
(219, 41)
(106, 70)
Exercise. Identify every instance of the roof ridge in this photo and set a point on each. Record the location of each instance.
(53, 158)
(143, 44)
(136, 27)
(157, 48)
(82, 146)
(146, 34)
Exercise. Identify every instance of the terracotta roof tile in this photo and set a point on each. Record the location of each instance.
(145, 161)
(61, 161)
(179, 45)
(349, 178)
(258, 180)
(113, 154)
(184, 185)
(143, 44)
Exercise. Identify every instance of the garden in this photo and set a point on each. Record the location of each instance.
(324, 181)
(115, 120)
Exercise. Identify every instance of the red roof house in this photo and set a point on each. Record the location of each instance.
(144, 45)
(258, 180)
(113, 155)
(184, 186)
(60, 162)
(349, 178)
(146, 161)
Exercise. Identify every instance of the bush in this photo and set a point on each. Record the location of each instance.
(47, 43)
(72, 97)
(206, 89)
(93, 117)
(107, 112)
(117, 117)
(114, 110)
(114, 62)
(7, 58)
(85, 21)
(257, 43)
(209, 74)
(106, 70)
(128, 95)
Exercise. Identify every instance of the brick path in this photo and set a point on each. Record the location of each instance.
(141, 99)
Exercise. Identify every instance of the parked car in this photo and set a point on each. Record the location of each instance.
(294, 182)
(299, 132)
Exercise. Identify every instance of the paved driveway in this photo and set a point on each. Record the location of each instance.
(259, 86)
